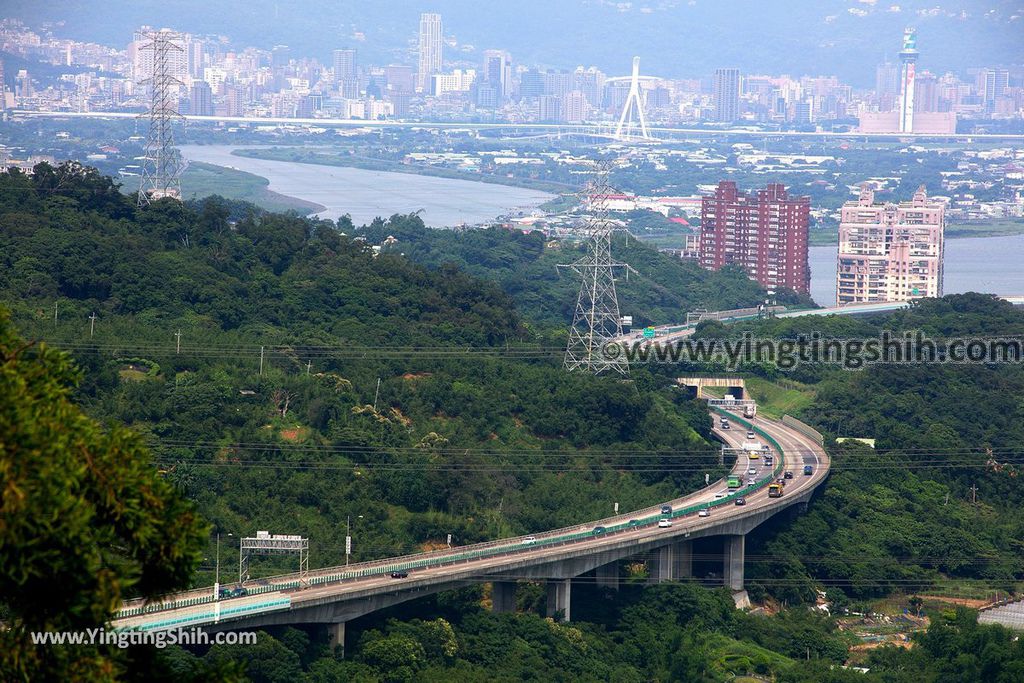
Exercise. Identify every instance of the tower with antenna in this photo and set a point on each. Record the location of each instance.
(596, 321)
(161, 166)
(908, 78)
(633, 108)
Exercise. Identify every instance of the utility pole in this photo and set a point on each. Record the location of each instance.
(92, 323)
(261, 360)
(177, 344)
(974, 494)
(376, 394)
(309, 363)
(54, 312)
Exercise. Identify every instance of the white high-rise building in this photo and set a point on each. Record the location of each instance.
(890, 252)
(431, 42)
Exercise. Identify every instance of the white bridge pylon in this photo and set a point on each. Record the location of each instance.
(634, 107)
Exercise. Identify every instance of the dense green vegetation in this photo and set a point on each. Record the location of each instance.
(901, 517)
(310, 391)
(668, 632)
(201, 179)
(84, 521)
(662, 290)
(411, 445)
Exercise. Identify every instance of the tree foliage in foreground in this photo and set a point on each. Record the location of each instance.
(84, 520)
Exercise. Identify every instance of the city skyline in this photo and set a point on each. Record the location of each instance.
(247, 81)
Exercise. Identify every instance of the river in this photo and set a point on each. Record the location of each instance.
(364, 194)
(980, 264)
(972, 264)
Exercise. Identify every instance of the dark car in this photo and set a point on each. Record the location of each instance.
(788, 475)
(599, 530)
(741, 501)
(633, 522)
(666, 509)
(236, 592)
(399, 575)
(808, 470)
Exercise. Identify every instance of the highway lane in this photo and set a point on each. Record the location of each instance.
(796, 448)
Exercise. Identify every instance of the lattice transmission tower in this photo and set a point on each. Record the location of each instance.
(161, 166)
(596, 321)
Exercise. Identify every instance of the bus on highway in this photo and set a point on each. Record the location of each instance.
(775, 490)
(734, 482)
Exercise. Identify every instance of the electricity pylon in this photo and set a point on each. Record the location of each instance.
(596, 322)
(161, 166)
(634, 107)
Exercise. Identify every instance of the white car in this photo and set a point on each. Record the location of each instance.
(703, 512)
(529, 540)
(720, 494)
(752, 470)
(664, 523)
(751, 482)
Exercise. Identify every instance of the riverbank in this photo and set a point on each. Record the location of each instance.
(320, 157)
(366, 194)
(201, 179)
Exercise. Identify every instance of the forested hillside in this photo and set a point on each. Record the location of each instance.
(287, 377)
(900, 517)
(309, 388)
(660, 291)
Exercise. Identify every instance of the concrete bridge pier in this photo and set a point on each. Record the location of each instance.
(559, 599)
(336, 636)
(503, 597)
(608, 576)
(735, 549)
(671, 562)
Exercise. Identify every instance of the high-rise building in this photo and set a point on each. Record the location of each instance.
(726, 91)
(201, 99)
(887, 85)
(890, 252)
(345, 75)
(400, 78)
(531, 84)
(549, 109)
(908, 77)
(993, 84)
(926, 93)
(558, 83)
(498, 72)
(574, 107)
(430, 50)
(763, 232)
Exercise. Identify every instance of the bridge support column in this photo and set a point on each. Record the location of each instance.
(608, 576)
(660, 566)
(559, 598)
(503, 597)
(336, 636)
(672, 562)
(735, 549)
(683, 568)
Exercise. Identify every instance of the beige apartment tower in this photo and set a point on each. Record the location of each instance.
(890, 252)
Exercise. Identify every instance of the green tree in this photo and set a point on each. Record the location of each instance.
(84, 519)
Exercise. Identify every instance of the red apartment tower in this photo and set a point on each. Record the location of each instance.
(763, 232)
